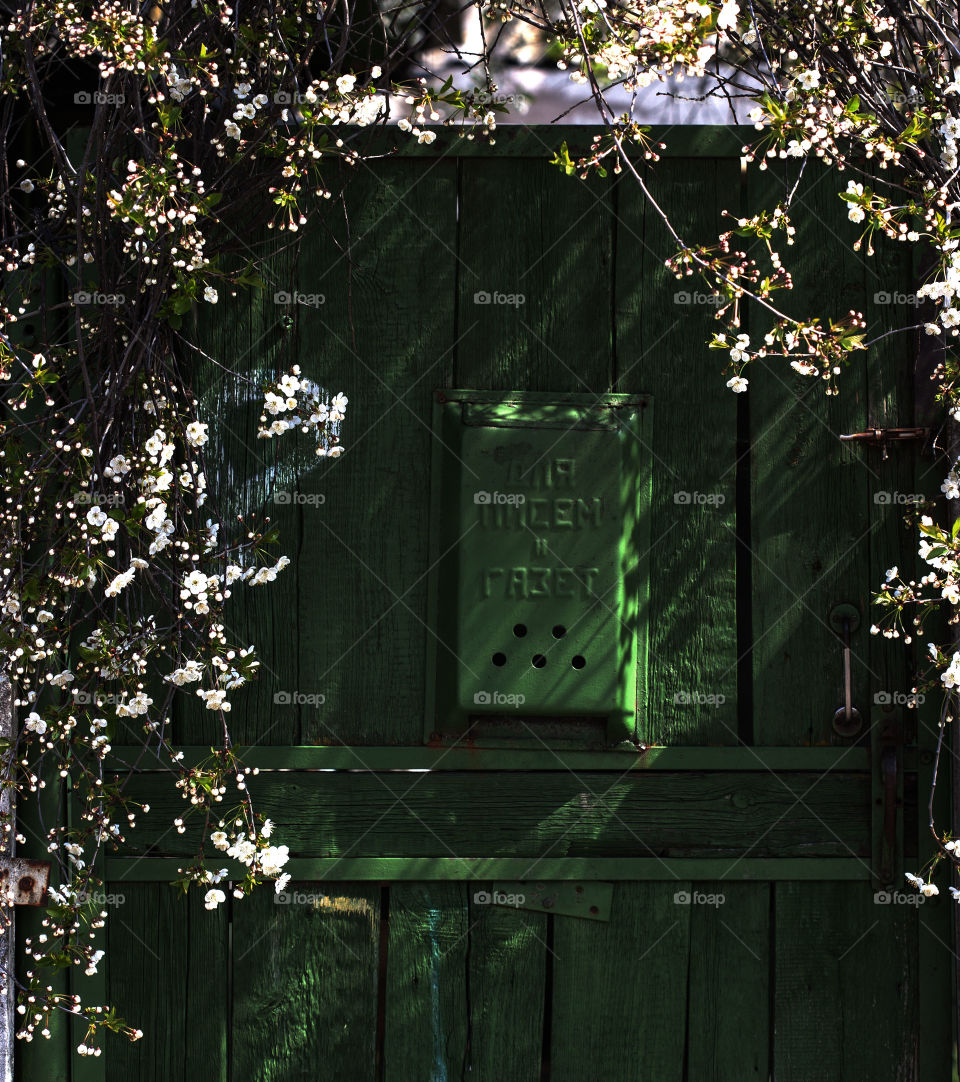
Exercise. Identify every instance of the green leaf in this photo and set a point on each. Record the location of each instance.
(564, 160)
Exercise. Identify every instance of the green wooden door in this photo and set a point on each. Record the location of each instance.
(711, 901)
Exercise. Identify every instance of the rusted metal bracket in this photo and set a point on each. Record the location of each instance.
(24, 882)
(881, 437)
(568, 899)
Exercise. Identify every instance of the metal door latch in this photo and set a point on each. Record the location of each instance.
(847, 720)
(881, 437)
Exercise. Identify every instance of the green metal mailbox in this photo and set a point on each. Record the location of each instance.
(539, 578)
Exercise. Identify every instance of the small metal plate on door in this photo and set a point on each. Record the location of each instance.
(23, 882)
(567, 899)
(540, 519)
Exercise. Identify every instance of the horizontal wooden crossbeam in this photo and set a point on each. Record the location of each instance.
(482, 869)
(478, 758)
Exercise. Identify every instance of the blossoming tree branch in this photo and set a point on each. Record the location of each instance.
(117, 565)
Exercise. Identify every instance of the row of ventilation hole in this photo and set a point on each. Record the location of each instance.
(539, 661)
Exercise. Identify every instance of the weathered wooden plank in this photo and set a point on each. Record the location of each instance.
(305, 983)
(246, 335)
(387, 869)
(168, 976)
(896, 378)
(426, 1016)
(565, 814)
(728, 1027)
(933, 953)
(553, 255)
(810, 493)
(384, 336)
(8, 954)
(619, 992)
(206, 991)
(845, 965)
(93, 989)
(465, 985)
(312, 757)
(506, 978)
(661, 350)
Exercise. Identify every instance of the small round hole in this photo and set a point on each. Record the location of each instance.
(559, 631)
(538, 661)
(499, 659)
(578, 661)
(519, 630)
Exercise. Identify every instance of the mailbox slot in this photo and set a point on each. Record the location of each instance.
(539, 585)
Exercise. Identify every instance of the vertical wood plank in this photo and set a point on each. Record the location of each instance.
(895, 377)
(552, 247)
(728, 1028)
(935, 951)
(305, 977)
(384, 336)
(247, 338)
(845, 965)
(465, 987)
(620, 989)
(426, 1023)
(810, 493)
(167, 976)
(8, 954)
(506, 978)
(661, 349)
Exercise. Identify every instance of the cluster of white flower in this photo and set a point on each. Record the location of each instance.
(296, 402)
(255, 852)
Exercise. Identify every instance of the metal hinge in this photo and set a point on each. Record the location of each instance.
(881, 437)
